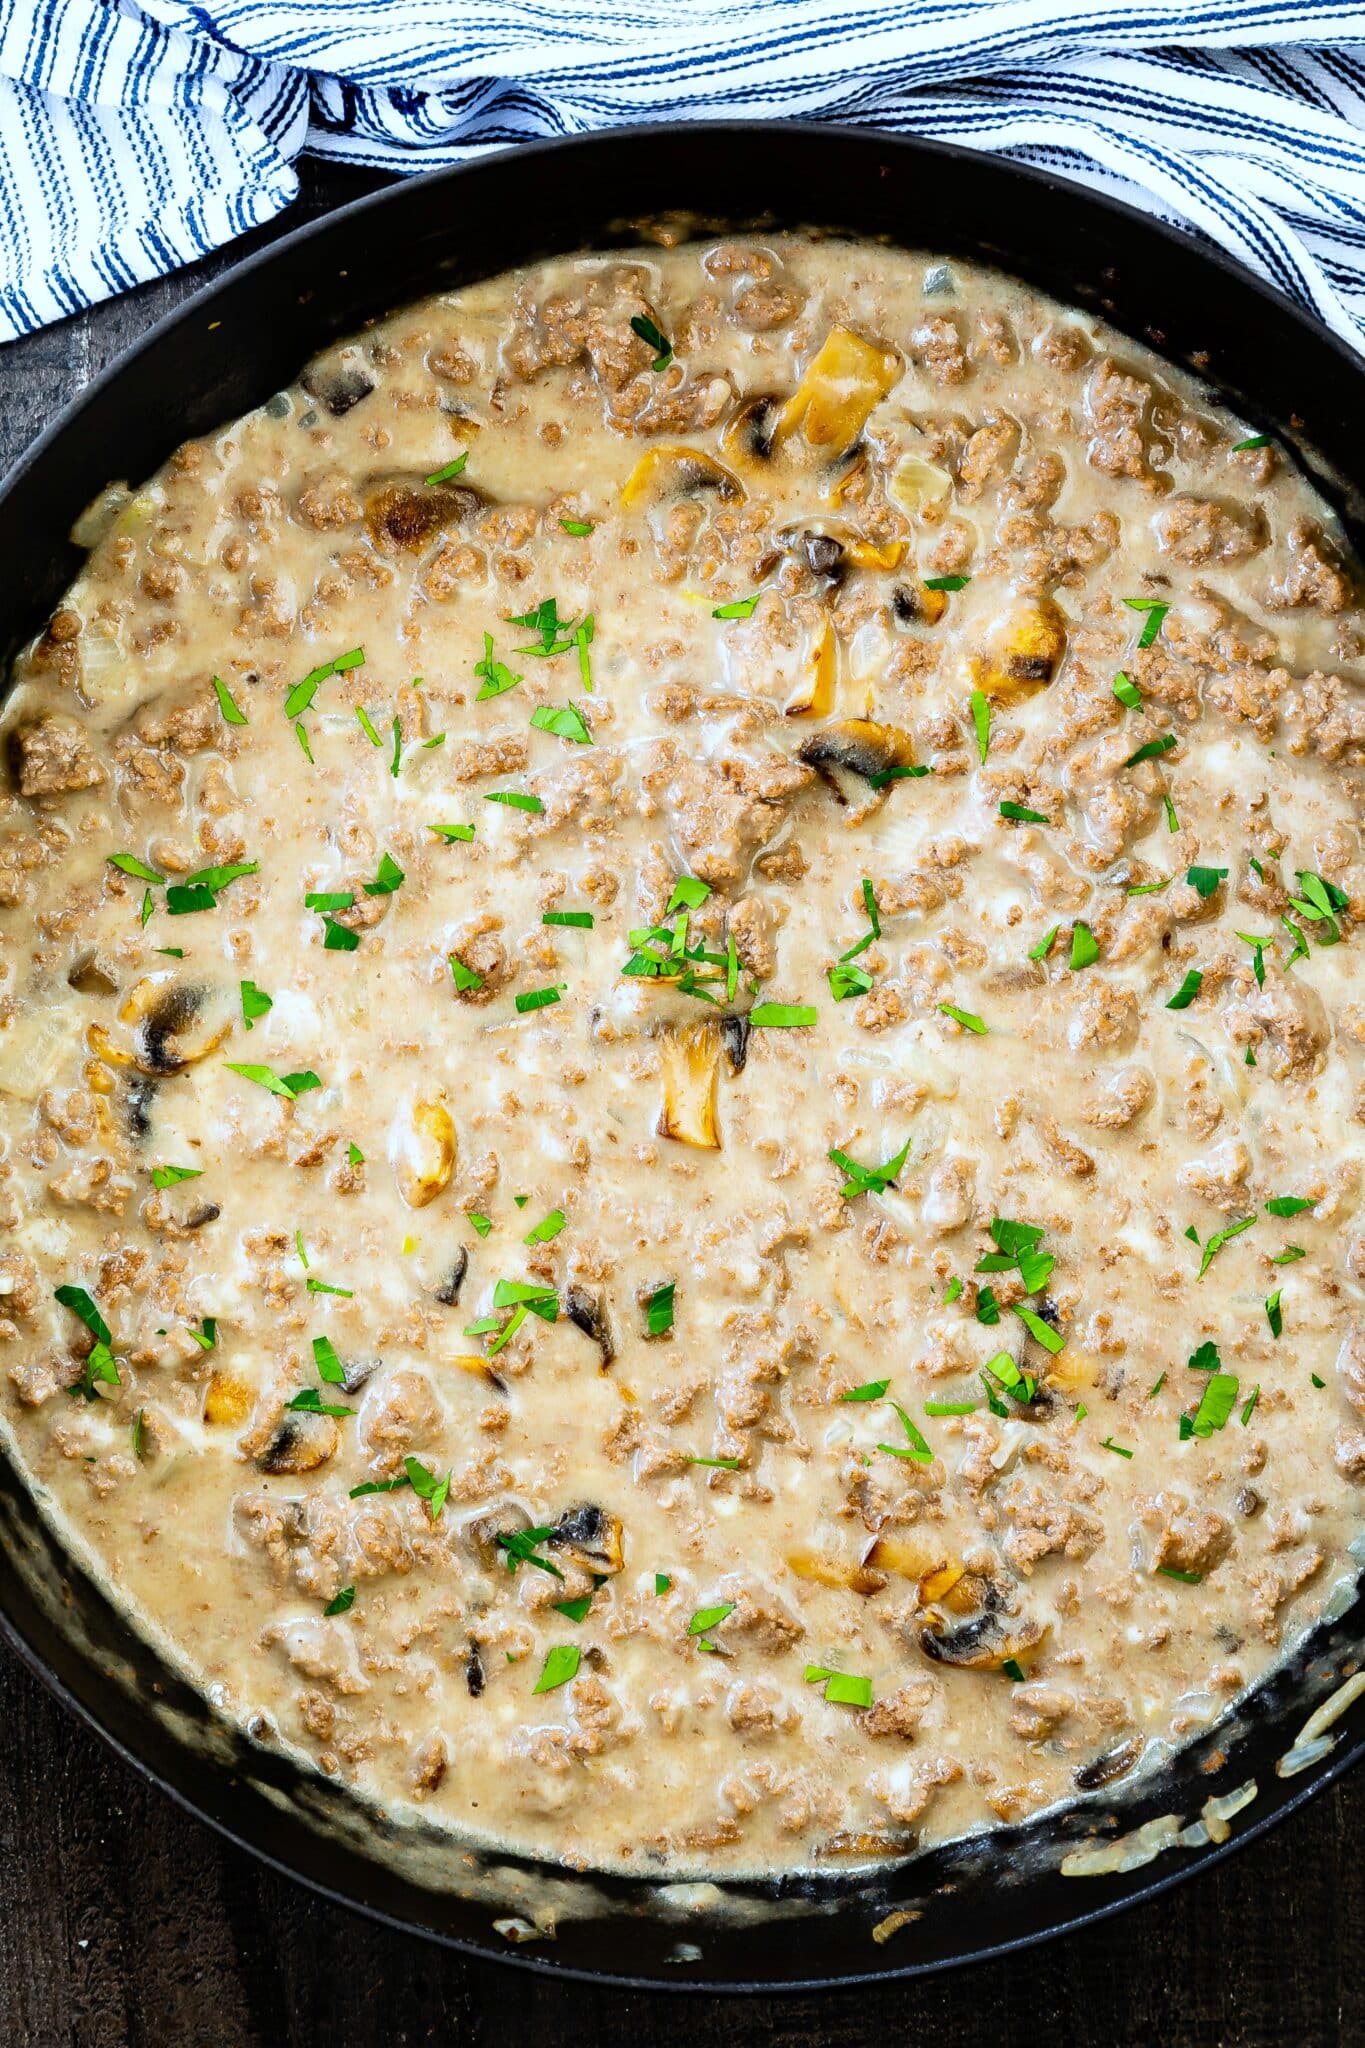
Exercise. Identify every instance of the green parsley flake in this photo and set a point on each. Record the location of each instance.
(129, 864)
(328, 1364)
(1187, 991)
(783, 1016)
(659, 1310)
(1251, 441)
(871, 1390)
(453, 832)
(483, 1224)
(231, 710)
(81, 1304)
(1205, 880)
(1044, 945)
(738, 607)
(1020, 814)
(540, 998)
(842, 1688)
(965, 1018)
(520, 1546)
(443, 476)
(338, 938)
(427, 1486)
(167, 1176)
(1085, 948)
(579, 528)
(1290, 1253)
(914, 1447)
(1216, 1404)
(517, 799)
(342, 1603)
(574, 920)
(1156, 613)
(573, 1610)
(1219, 1239)
(1108, 1444)
(946, 582)
(366, 724)
(1050, 1339)
(547, 1230)
(560, 1666)
(650, 335)
(1127, 692)
(899, 774)
(388, 878)
(310, 1402)
(1289, 1205)
(706, 1618)
(1249, 1405)
(287, 1085)
(255, 1003)
(1274, 1314)
(950, 1407)
(721, 1464)
(987, 1307)
(300, 698)
(1151, 750)
(1173, 1571)
(869, 1180)
(662, 1582)
(981, 719)
(565, 721)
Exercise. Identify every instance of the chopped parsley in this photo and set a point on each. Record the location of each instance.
(574, 920)
(200, 891)
(310, 1402)
(1152, 750)
(540, 998)
(227, 704)
(517, 799)
(129, 864)
(287, 1085)
(738, 607)
(871, 1390)
(427, 1486)
(1044, 945)
(987, 1307)
(1288, 1255)
(650, 335)
(1274, 1314)
(1107, 1444)
(1215, 1244)
(300, 698)
(1251, 441)
(662, 1582)
(342, 1603)
(1127, 692)
(848, 980)
(520, 1547)
(965, 1018)
(842, 1688)
(914, 1446)
(366, 724)
(573, 1610)
(495, 676)
(981, 719)
(443, 476)
(81, 1304)
(546, 1230)
(1318, 903)
(565, 721)
(869, 1180)
(1187, 991)
(1205, 1359)
(466, 978)
(255, 1003)
(706, 1618)
(1289, 1205)
(1050, 1339)
(1249, 1405)
(328, 1364)
(783, 1016)
(1156, 613)
(659, 1310)
(579, 528)
(1173, 1571)
(1216, 1404)
(1020, 814)
(950, 1407)
(388, 878)
(483, 1224)
(1205, 880)
(898, 774)
(722, 1464)
(561, 1664)
(206, 1336)
(167, 1176)
(453, 832)
(946, 582)
(1085, 948)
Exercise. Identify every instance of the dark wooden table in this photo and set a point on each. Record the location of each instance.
(123, 1924)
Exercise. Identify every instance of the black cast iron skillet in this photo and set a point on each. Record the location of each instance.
(226, 351)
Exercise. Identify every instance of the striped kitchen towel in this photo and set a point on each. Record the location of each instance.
(139, 134)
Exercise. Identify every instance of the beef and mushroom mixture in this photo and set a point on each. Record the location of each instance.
(682, 1084)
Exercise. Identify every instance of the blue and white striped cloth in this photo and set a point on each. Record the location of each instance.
(136, 135)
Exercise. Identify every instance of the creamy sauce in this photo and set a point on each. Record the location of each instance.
(529, 1176)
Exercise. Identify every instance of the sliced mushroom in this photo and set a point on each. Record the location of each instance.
(227, 1400)
(748, 438)
(300, 1444)
(734, 1034)
(93, 974)
(1107, 1769)
(338, 384)
(481, 1368)
(989, 1639)
(690, 1055)
(916, 604)
(937, 1578)
(589, 1536)
(422, 1152)
(678, 472)
(1026, 655)
(141, 1096)
(815, 694)
(448, 1293)
(174, 1025)
(856, 747)
(474, 1672)
(830, 1571)
(587, 1313)
(406, 515)
(844, 380)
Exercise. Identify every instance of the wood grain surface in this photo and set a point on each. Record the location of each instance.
(125, 1924)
